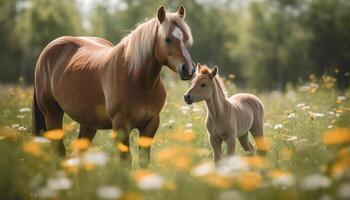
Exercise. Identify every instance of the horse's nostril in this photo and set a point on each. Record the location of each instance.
(184, 68)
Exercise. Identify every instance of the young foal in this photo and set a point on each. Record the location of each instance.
(102, 86)
(227, 118)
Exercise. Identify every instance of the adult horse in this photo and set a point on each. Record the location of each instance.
(102, 86)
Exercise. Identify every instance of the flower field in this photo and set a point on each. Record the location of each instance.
(307, 130)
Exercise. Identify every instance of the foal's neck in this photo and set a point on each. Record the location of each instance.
(217, 103)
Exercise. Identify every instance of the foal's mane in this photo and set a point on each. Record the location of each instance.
(219, 82)
(140, 42)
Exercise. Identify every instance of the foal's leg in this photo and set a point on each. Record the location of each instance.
(257, 131)
(246, 144)
(149, 130)
(216, 142)
(53, 115)
(231, 146)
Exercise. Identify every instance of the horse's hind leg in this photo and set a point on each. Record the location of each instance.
(246, 144)
(257, 131)
(53, 115)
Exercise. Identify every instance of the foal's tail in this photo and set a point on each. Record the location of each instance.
(38, 120)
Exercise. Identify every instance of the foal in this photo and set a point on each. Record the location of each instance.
(227, 118)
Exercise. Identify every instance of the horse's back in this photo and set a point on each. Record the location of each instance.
(68, 72)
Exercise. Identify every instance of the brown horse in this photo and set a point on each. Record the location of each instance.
(102, 86)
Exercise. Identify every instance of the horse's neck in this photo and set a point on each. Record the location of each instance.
(217, 103)
(148, 74)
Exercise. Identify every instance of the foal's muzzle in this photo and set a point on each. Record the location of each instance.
(188, 98)
(186, 71)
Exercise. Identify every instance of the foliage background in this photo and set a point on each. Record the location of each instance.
(265, 43)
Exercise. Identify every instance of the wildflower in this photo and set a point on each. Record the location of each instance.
(336, 136)
(145, 141)
(330, 126)
(71, 164)
(256, 161)
(217, 180)
(171, 121)
(203, 169)
(344, 191)
(22, 128)
(80, 144)
(249, 180)
(184, 136)
(230, 194)
(315, 182)
(32, 148)
(41, 140)
(108, 192)
(291, 115)
(95, 158)
(15, 125)
(56, 134)
(20, 116)
(61, 183)
(291, 138)
(340, 99)
(198, 110)
(151, 181)
(46, 193)
(317, 114)
(300, 105)
(188, 126)
(122, 147)
(232, 165)
(24, 110)
(278, 126)
(281, 178)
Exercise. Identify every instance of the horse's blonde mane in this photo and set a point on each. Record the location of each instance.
(140, 42)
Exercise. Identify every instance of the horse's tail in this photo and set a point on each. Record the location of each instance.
(38, 120)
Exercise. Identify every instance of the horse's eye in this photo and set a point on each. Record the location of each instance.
(203, 85)
(168, 40)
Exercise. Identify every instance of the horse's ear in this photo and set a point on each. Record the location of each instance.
(181, 12)
(198, 68)
(161, 14)
(214, 72)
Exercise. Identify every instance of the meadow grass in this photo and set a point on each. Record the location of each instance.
(306, 129)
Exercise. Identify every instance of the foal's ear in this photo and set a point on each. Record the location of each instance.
(181, 12)
(161, 14)
(198, 68)
(214, 72)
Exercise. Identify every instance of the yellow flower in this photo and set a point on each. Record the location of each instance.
(122, 147)
(140, 174)
(181, 162)
(249, 180)
(277, 173)
(131, 196)
(184, 136)
(256, 161)
(337, 136)
(165, 154)
(56, 134)
(32, 148)
(145, 141)
(80, 144)
(217, 180)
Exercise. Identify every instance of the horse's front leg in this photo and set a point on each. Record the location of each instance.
(123, 142)
(147, 132)
(231, 145)
(216, 142)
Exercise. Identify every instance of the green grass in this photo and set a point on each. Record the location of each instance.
(296, 149)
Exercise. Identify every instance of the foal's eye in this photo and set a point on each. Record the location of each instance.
(203, 85)
(168, 40)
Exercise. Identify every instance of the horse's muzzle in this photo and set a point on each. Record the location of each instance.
(186, 72)
(188, 98)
